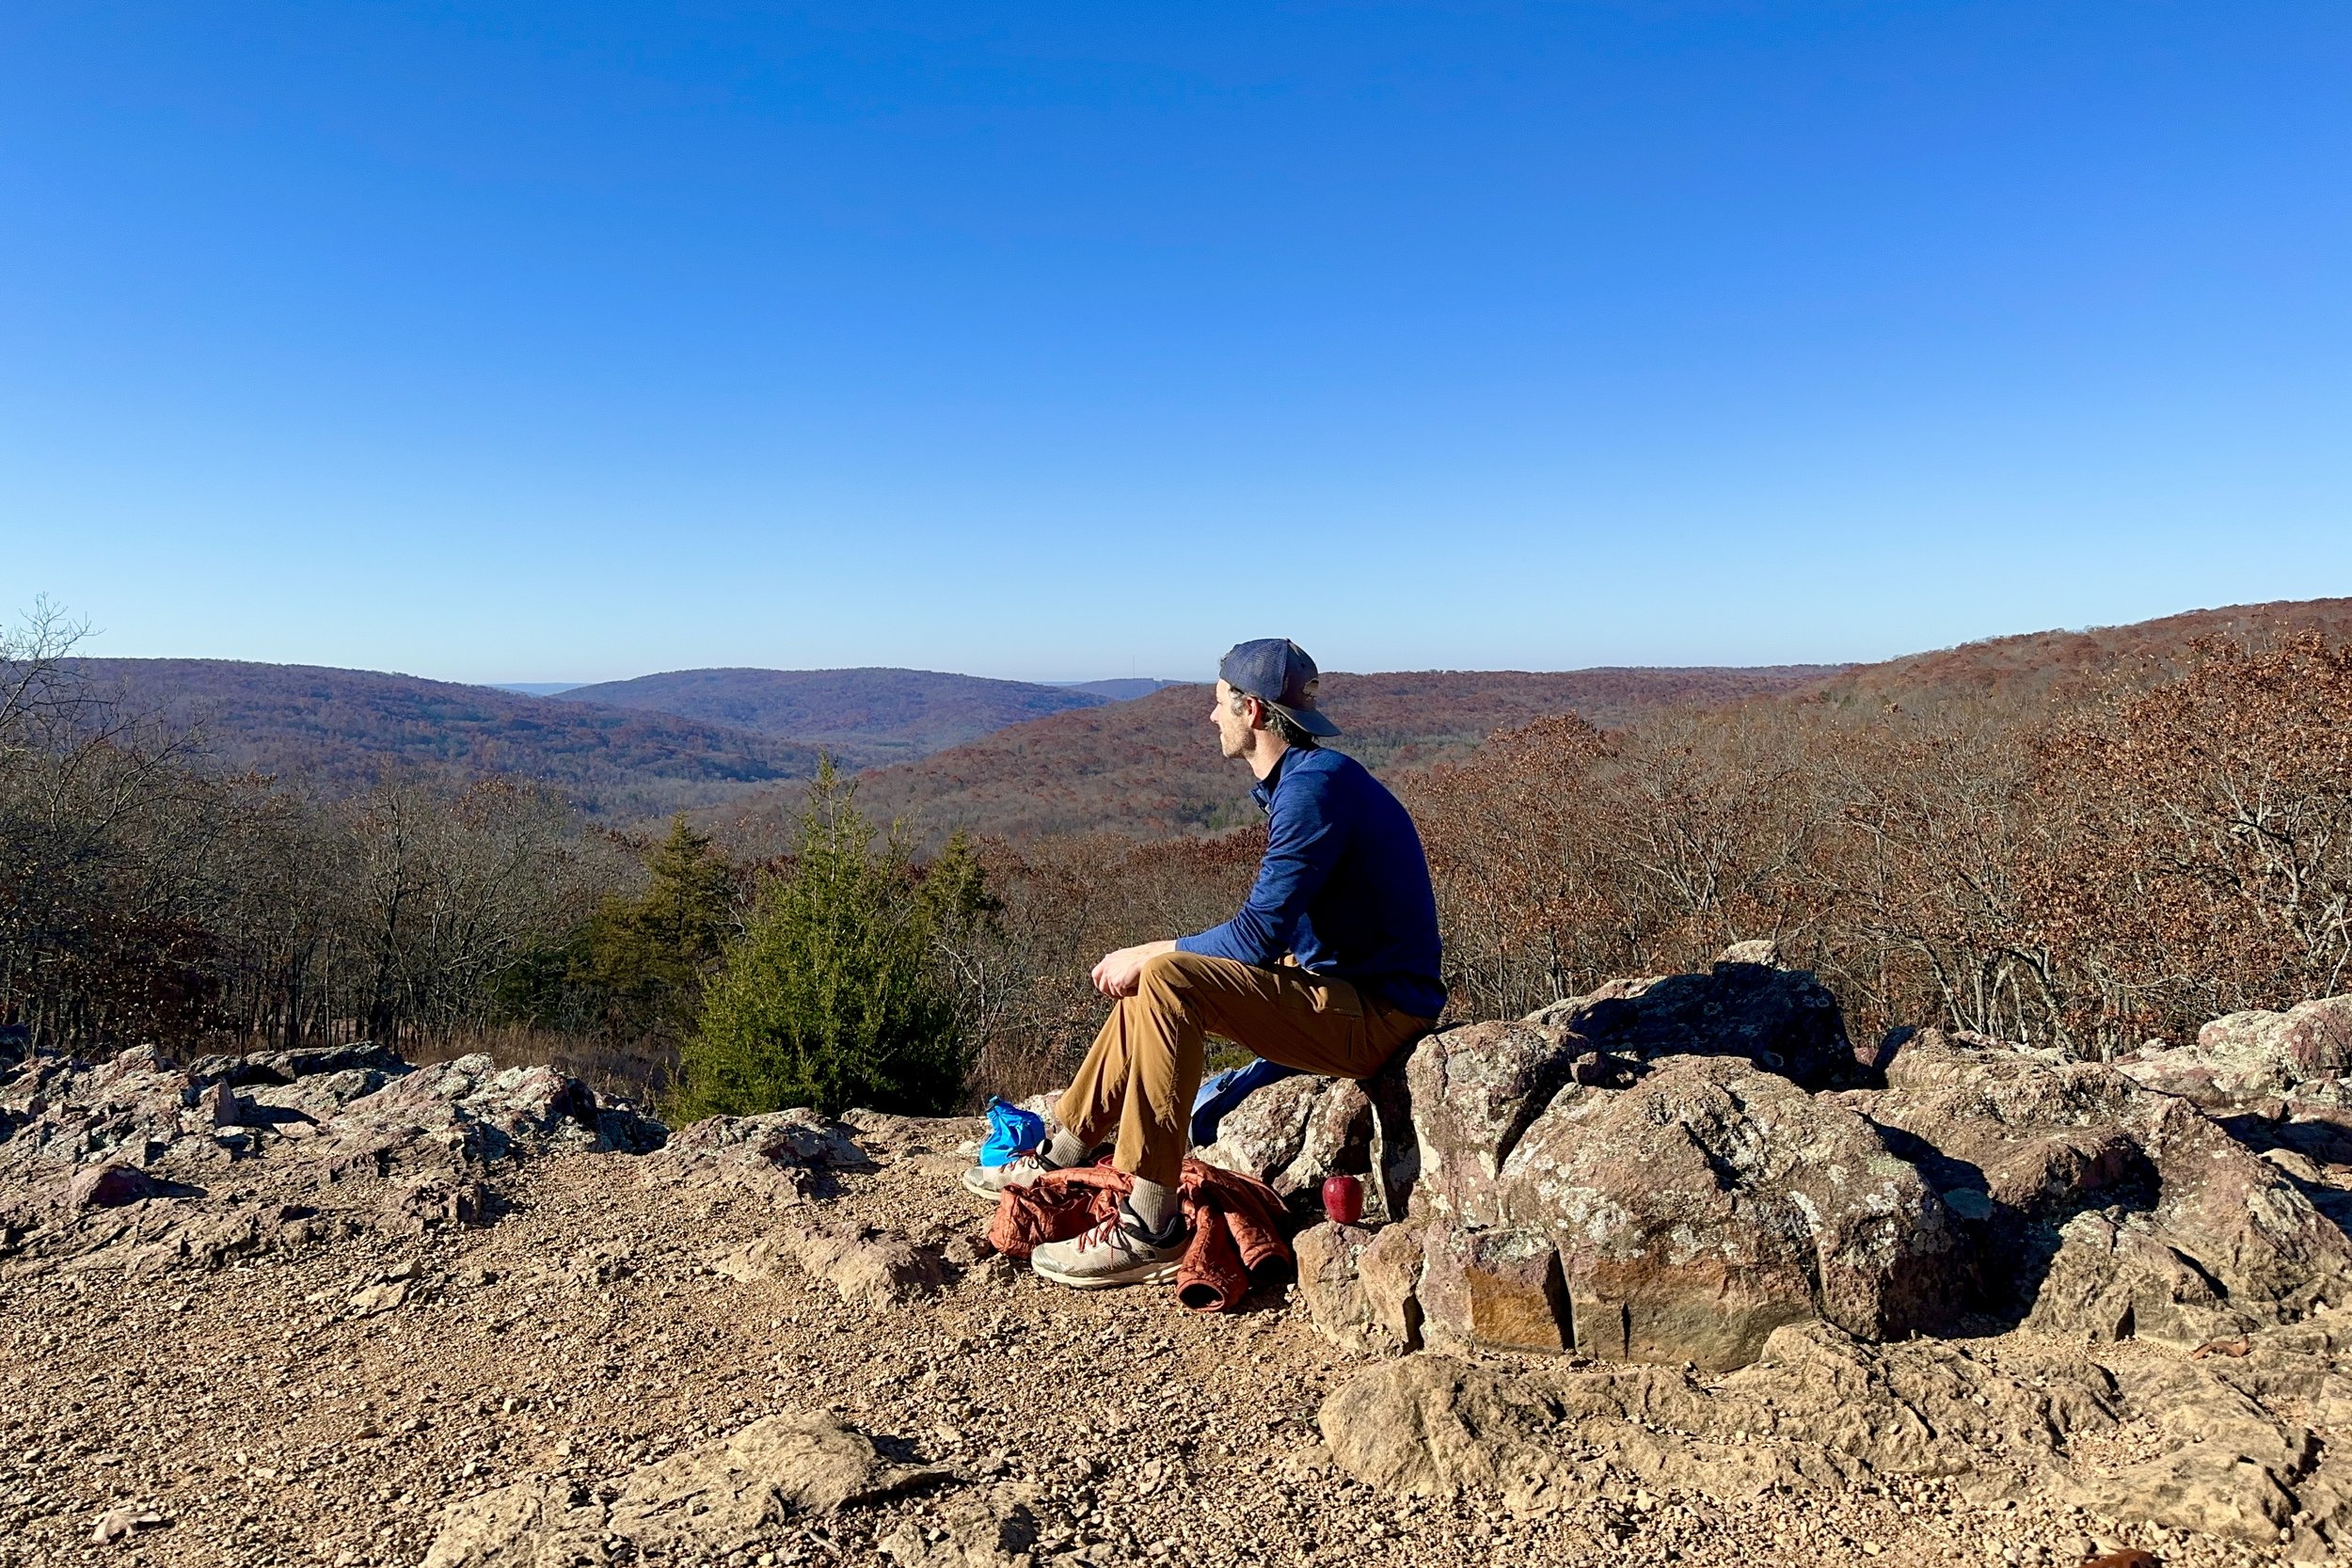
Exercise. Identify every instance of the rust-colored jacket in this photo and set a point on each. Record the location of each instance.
(1236, 1225)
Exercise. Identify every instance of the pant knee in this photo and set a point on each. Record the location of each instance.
(1165, 977)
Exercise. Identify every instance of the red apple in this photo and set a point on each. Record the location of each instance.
(1342, 1199)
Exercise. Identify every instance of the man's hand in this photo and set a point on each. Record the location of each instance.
(1117, 974)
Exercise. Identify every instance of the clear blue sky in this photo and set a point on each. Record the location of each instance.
(576, 340)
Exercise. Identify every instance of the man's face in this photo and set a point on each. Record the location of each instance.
(1232, 729)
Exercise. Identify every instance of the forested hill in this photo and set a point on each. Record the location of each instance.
(1150, 766)
(335, 731)
(2042, 665)
(862, 717)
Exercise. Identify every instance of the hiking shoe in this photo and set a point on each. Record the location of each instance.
(986, 1181)
(1115, 1252)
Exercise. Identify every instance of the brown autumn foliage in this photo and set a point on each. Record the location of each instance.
(2083, 862)
(2087, 877)
(2199, 857)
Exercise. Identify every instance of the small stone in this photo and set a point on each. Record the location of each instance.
(378, 1299)
(108, 1186)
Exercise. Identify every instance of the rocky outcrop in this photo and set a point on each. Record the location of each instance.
(1599, 1268)
(2185, 1232)
(2282, 1083)
(468, 1111)
(778, 1156)
(1821, 1409)
(1674, 1209)
(1709, 1203)
(283, 1068)
(348, 1104)
(116, 1161)
(2250, 1056)
(129, 1110)
(1657, 1208)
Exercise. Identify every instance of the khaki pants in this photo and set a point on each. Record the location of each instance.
(1144, 1068)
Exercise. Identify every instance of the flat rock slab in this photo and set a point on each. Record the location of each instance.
(1822, 1411)
(714, 1497)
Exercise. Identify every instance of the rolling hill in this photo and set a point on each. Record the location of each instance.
(2045, 666)
(1150, 766)
(862, 717)
(1018, 759)
(336, 732)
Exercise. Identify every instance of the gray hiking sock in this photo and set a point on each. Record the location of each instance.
(1064, 1150)
(1154, 1206)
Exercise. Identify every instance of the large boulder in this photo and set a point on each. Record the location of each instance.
(2021, 1143)
(1782, 1021)
(1712, 1202)
(1475, 1092)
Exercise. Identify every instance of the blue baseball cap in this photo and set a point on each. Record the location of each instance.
(1277, 672)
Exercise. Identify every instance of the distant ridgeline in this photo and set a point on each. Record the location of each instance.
(621, 750)
(1015, 758)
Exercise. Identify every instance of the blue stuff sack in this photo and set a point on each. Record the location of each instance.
(1011, 1131)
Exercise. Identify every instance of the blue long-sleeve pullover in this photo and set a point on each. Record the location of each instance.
(1344, 888)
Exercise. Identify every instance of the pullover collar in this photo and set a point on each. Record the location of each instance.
(1263, 791)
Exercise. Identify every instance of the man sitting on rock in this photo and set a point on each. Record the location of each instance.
(1330, 967)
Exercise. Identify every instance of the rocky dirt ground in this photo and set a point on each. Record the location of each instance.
(277, 1410)
(323, 1308)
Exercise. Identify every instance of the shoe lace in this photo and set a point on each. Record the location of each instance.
(1102, 1233)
